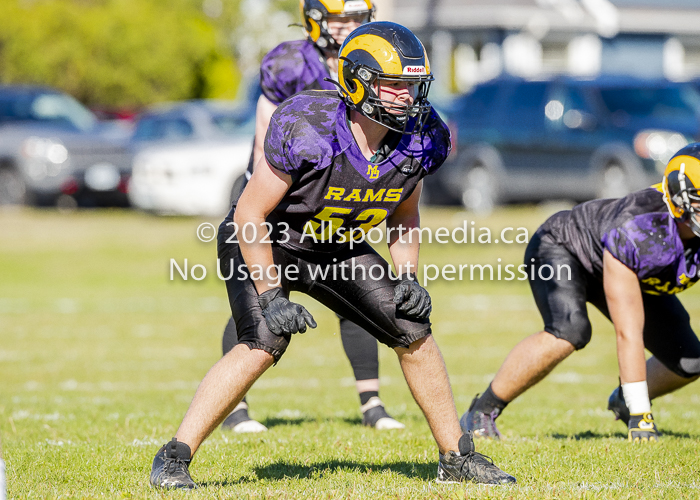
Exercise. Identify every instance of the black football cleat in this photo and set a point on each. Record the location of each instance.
(374, 415)
(617, 405)
(470, 466)
(482, 425)
(239, 421)
(170, 467)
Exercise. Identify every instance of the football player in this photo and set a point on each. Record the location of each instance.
(290, 68)
(337, 164)
(628, 257)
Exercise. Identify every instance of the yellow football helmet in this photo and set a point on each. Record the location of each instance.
(681, 185)
(315, 14)
(385, 51)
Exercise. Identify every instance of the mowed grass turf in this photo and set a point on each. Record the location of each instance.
(100, 355)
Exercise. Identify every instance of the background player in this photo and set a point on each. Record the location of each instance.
(317, 169)
(628, 257)
(290, 68)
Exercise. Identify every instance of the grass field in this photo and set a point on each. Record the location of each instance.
(100, 355)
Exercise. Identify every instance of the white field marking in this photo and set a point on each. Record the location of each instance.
(46, 417)
(598, 412)
(57, 442)
(67, 306)
(272, 383)
(472, 379)
(617, 486)
(13, 356)
(627, 486)
(147, 304)
(287, 413)
(442, 328)
(69, 385)
(14, 306)
(277, 382)
(173, 385)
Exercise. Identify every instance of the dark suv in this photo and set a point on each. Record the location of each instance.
(571, 139)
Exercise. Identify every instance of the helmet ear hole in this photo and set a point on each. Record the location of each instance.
(674, 185)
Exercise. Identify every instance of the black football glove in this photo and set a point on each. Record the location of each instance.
(412, 299)
(282, 316)
(642, 428)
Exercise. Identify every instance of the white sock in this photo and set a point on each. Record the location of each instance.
(637, 397)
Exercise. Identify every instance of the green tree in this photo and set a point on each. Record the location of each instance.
(116, 52)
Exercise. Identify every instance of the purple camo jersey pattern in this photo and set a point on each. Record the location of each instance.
(312, 128)
(650, 245)
(639, 231)
(309, 138)
(292, 67)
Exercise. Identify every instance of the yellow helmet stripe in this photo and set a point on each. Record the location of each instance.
(382, 51)
(338, 6)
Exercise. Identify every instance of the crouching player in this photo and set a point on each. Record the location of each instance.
(321, 177)
(628, 257)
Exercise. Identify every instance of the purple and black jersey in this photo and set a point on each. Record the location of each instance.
(639, 231)
(293, 67)
(335, 188)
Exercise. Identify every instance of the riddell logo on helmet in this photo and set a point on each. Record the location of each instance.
(354, 6)
(414, 70)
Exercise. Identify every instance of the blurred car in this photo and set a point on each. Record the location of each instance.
(519, 141)
(190, 156)
(53, 149)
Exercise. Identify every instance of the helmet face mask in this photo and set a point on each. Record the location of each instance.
(681, 195)
(317, 13)
(693, 221)
(687, 199)
(377, 54)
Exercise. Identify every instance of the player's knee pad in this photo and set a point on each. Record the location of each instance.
(230, 337)
(689, 367)
(576, 331)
